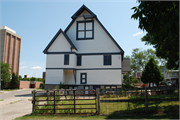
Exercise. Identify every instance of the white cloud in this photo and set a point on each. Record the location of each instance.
(22, 63)
(23, 67)
(137, 33)
(36, 67)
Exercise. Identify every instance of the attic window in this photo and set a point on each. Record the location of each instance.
(85, 30)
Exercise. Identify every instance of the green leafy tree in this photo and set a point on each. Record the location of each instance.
(152, 73)
(139, 58)
(14, 81)
(5, 75)
(160, 19)
(26, 79)
(20, 77)
(131, 80)
(39, 79)
(32, 79)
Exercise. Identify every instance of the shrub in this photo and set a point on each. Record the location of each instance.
(14, 81)
(33, 79)
(42, 85)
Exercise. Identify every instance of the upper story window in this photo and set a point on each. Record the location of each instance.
(66, 59)
(78, 60)
(107, 59)
(85, 30)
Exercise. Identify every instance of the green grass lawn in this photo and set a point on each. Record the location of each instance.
(111, 110)
(77, 117)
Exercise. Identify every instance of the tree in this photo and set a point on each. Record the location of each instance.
(131, 80)
(161, 21)
(39, 79)
(152, 73)
(139, 58)
(5, 75)
(33, 79)
(20, 77)
(14, 81)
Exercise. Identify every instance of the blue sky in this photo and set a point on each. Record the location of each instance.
(37, 21)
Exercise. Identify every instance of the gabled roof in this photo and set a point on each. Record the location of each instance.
(54, 38)
(78, 12)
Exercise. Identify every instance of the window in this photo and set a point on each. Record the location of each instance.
(79, 60)
(83, 78)
(85, 30)
(66, 59)
(107, 59)
(173, 73)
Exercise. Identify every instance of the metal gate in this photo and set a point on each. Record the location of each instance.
(65, 101)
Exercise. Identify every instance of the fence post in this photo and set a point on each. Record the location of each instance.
(98, 101)
(47, 95)
(74, 102)
(146, 99)
(54, 103)
(33, 101)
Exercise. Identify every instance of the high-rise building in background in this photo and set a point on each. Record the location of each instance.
(10, 48)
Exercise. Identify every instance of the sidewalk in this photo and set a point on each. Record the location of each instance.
(15, 104)
(13, 100)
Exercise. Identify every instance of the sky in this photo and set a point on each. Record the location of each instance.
(37, 21)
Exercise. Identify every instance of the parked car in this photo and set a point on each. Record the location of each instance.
(169, 83)
(151, 85)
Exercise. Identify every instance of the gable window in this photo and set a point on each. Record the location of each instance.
(66, 59)
(83, 78)
(107, 59)
(85, 30)
(78, 60)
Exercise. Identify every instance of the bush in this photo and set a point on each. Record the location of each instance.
(61, 85)
(42, 85)
(33, 79)
(5, 75)
(39, 79)
(14, 81)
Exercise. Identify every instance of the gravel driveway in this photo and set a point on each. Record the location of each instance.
(15, 104)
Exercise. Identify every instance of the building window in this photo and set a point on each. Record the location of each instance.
(79, 60)
(83, 78)
(107, 59)
(66, 59)
(85, 30)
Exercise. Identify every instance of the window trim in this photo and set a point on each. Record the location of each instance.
(65, 59)
(85, 30)
(80, 60)
(107, 61)
(83, 78)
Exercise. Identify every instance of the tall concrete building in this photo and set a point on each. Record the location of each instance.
(10, 48)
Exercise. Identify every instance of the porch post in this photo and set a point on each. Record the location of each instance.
(74, 71)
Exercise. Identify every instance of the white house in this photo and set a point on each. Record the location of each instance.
(84, 55)
(170, 76)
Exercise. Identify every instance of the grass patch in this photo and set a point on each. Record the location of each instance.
(77, 117)
(109, 110)
(2, 100)
(15, 101)
(106, 97)
(9, 89)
